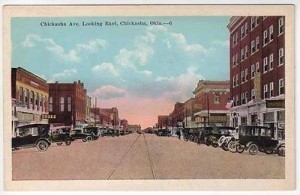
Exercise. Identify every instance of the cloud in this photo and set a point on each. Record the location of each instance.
(66, 73)
(220, 43)
(105, 68)
(139, 56)
(108, 92)
(73, 55)
(146, 72)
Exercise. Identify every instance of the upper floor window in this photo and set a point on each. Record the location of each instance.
(257, 66)
(271, 89)
(281, 57)
(252, 71)
(265, 40)
(257, 43)
(265, 91)
(69, 104)
(246, 51)
(271, 61)
(252, 22)
(50, 104)
(281, 86)
(265, 64)
(217, 99)
(242, 77)
(62, 104)
(280, 26)
(271, 37)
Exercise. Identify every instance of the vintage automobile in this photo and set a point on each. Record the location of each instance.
(204, 134)
(256, 138)
(224, 135)
(95, 131)
(33, 135)
(80, 134)
(61, 134)
(280, 150)
(163, 132)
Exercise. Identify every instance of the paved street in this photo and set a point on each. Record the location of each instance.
(141, 156)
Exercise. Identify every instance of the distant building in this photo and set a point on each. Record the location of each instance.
(88, 117)
(124, 124)
(30, 97)
(67, 102)
(177, 115)
(164, 121)
(190, 107)
(134, 128)
(113, 114)
(257, 71)
(212, 97)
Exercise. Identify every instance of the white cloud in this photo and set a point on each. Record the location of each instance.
(220, 43)
(63, 75)
(108, 92)
(71, 56)
(105, 68)
(146, 72)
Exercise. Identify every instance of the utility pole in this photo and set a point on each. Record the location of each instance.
(207, 100)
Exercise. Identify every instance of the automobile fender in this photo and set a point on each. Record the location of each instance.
(248, 144)
(47, 140)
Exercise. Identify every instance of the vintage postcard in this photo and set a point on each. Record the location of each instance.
(149, 97)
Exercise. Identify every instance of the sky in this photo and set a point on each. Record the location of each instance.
(143, 70)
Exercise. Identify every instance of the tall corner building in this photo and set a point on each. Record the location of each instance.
(257, 71)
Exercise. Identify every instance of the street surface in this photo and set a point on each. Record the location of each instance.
(141, 156)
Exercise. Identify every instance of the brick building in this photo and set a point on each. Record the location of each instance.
(257, 64)
(164, 121)
(211, 97)
(111, 116)
(177, 115)
(30, 96)
(67, 101)
(124, 125)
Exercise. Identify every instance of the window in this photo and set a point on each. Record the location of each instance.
(41, 102)
(271, 89)
(37, 100)
(242, 54)
(234, 102)
(236, 37)
(281, 56)
(242, 98)
(237, 100)
(246, 97)
(246, 74)
(27, 98)
(257, 66)
(21, 95)
(252, 94)
(256, 20)
(242, 32)
(246, 51)
(217, 99)
(236, 58)
(50, 104)
(242, 77)
(265, 64)
(281, 86)
(271, 61)
(252, 46)
(233, 40)
(271, 37)
(233, 81)
(246, 28)
(252, 23)
(257, 43)
(252, 71)
(237, 80)
(233, 60)
(69, 104)
(280, 26)
(62, 104)
(265, 40)
(31, 99)
(265, 91)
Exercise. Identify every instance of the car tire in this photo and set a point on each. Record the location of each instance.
(84, 140)
(232, 146)
(89, 138)
(253, 149)
(240, 148)
(68, 142)
(59, 143)
(281, 150)
(42, 145)
(269, 150)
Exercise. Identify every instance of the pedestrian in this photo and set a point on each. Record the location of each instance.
(178, 133)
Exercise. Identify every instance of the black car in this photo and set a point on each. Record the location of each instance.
(61, 134)
(79, 134)
(163, 132)
(256, 138)
(95, 131)
(34, 135)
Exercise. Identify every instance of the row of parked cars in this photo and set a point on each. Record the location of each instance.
(42, 136)
(245, 138)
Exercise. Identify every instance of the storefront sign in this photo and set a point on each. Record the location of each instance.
(275, 103)
(257, 85)
(48, 116)
(24, 117)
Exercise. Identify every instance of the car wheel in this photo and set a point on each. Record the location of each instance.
(240, 148)
(68, 142)
(84, 140)
(89, 138)
(232, 147)
(281, 151)
(59, 143)
(269, 150)
(215, 145)
(253, 149)
(42, 145)
(225, 147)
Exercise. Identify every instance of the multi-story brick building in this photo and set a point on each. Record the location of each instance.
(67, 101)
(30, 94)
(177, 115)
(112, 115)
(163, 121)
(211, 98)
(257, 76)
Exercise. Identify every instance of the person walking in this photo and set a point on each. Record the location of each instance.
(178, 133)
